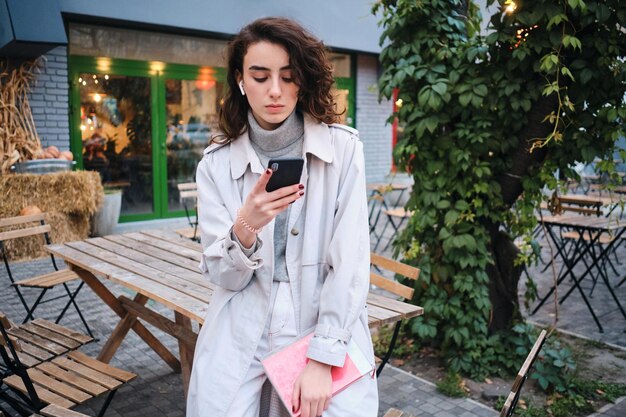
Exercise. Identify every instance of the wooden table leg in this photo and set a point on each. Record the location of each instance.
(109, 299)
(120, 332)
(186, 352)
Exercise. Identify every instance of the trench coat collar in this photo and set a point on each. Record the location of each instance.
(317, 142)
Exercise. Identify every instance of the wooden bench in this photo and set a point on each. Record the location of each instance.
(382, 265)
(61, 380)
(35, 226)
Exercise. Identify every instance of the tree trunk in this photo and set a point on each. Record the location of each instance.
(503, 275)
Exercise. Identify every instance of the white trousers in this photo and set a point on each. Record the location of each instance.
(255, 397)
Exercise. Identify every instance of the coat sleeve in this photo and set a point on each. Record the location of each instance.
(223, 260)
(344, 292)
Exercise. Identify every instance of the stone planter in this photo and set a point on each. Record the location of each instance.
(105, 219)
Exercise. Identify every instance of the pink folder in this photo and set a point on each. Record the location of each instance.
(284, 365)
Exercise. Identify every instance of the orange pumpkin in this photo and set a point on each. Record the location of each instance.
(67, 155)
(30, 210)
(53, 151)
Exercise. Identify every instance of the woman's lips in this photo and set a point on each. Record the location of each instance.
(274, 108)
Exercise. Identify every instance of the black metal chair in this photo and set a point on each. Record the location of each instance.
(35, 226)
(188, 196)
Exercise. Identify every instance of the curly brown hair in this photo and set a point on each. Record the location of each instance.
(310, 65)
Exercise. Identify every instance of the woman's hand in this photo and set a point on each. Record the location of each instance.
(312, 390)
(261, 207)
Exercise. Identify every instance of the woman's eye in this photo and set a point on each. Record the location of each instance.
(288, 79)
(260, 80)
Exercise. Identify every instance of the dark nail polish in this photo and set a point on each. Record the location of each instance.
(301, 192)
(268, 171)
(301, 186)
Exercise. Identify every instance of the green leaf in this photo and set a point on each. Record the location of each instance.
(492, 38)
(574, 42)
(577, 4)
(440, 88)
(481, 90)
(566, 71)
(424, 96)
(465, 99)
(557, 20)
(451, 217)
(431, 123)
(443, 204)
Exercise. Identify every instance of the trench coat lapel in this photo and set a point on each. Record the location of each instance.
(317, 144)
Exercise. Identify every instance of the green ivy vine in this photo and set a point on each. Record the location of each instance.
(548, 78)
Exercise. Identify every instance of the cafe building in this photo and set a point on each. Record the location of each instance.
(132, 87)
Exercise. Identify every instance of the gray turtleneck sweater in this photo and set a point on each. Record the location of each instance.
(286, 141)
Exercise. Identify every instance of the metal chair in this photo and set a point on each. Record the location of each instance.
(188, 197)
(34, 225)
(54, 385)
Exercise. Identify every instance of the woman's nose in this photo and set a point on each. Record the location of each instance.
(275, 90)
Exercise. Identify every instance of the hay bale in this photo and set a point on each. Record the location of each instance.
(69, 199)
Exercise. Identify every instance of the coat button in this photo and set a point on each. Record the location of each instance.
(294, 231)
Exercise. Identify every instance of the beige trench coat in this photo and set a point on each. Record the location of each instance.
(327, 261)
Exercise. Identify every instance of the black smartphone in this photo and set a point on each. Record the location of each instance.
(287, 171)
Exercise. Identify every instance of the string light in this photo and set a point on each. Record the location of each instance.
(522, 34)
(399, 103)
(509, 7)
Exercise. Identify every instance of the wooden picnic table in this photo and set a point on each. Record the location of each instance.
(162, 266)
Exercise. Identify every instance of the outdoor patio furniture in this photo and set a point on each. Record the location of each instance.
(587, 250)
(63, 380)
(41, 340)
(188, 197)
(159, 265)
(35, 226)
(385, 265)
(56, 411)
(396, 218)
(382, 205)
(511, 401)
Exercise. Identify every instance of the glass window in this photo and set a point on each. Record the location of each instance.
(116, 131)
(191, 115)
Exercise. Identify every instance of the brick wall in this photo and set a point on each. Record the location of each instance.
(49, 100)
(371, 119)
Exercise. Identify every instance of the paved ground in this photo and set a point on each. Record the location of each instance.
(157, 391)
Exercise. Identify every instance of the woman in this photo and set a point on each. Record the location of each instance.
(288, 260)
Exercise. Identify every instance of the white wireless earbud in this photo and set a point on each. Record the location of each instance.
(243, 92)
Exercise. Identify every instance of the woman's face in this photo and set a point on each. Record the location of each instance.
(268, 83)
